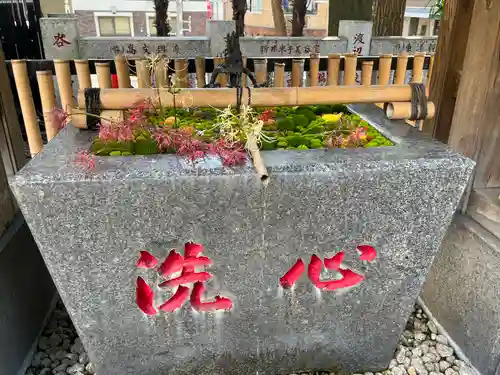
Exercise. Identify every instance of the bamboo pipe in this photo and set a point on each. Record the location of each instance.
(142, 71)
(333, 69)
(200, 71)
(297, 72)
(260, 66)
(161, 74)
(279, 75)
(48, 98)
(103, 75)
(313, 69)
(384, 69)
(260, 97)
(366, 73)
(222, 77)
(402, 110)
(418, 67)
(65, 84)
(27, 106)
(258, 162)
(400, 75)
(181, 73)
(350, 61)
(83, 74)
(244, 76)
(431, 68)
(122, 72)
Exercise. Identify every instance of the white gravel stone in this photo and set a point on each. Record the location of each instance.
(419, 367)
(91, 369)
(443, 365)
(406, 362)
(432, 326)
(420, 336)
(444, 350)
(400, 354)
(412, 371)
(450, 371)
(433, 336)
(393, 364)
(416, 352)
(78, 367)
(451, 359)
(398, 371)
(61, 368)
(442, 339)
(45, 371)
(83, 358)
(466, 370)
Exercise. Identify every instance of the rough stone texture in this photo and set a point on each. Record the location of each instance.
(267, 31)
(358, 35)
(397, 44)
(462, 292)
(198, 21)
(60, 37)
(90, 226)
(174, 47)
(22, 311)
(291, 46)
(217, 31)
(86, 23)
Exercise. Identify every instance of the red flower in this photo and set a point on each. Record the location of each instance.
(144, 297)
(146, 260)
(220, 303)
(176, 301)
(172, 264)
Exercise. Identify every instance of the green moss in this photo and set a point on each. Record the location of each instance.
(322, 109)
(297, 140)
(316, 143)
(105, 148)
(338, 108)
(308, 113)
(285, 124)
(268, 145)
(126, 153)
(282, 144)
(300, 120)
(115, 153)
(145, 146)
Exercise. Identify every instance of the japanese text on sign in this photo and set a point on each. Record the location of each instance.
(358, 43)
(418, 46)
(289, 49)
(139, 49)
(60, 40)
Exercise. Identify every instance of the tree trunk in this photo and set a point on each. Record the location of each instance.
(161, 20)
(388, 19)
(239, 10)
(278, 17)
(359, 10)
(299, 17)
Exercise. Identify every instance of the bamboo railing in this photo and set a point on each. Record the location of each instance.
(349, 79)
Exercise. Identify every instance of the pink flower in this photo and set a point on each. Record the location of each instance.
(59, 118)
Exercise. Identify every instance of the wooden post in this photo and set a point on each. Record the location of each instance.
(313, 69)
(475, 130)
(297, 72)
(260, 66)
(279, 75)
(222, 77)
(11, 139)
(450, 54)
(48, 98)
(143, 74)
(103, 75)
(83, 74)
(366, 73)
(333, 69)
(384, 69)
(122, 72)
(418, 67)
(65, 84)
(181, 73)
(350, 61)
(400, 75)
(27, 106)
(431, 68)
(200, 71)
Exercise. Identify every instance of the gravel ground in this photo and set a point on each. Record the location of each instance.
(422, 350)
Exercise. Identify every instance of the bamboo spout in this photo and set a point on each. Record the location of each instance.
(260, 97)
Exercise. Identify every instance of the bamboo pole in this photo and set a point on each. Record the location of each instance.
(83, 74)
(143, 74)
(181, 73)
(297, 72)
(366, 73)
(48, 98)
(418, 67)
(279, 75)
(384, 69)
(258, 162)
(402, 110)
(25, 95)
(200, 71)
(122, 72)
(260, 66)
(313, 69)
(400, 75)
(350, 61)
(103, 75)
(333, 69)
(260, 97)
(161, 74)
(65, 84)
(222, 77)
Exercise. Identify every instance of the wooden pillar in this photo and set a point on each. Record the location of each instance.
(475, 127)
(103, 75)
(143, 74)
(83, 74)
(11, 140)
(279, 75)
(313, 69)
(121, 65)
(65, 84)
(48, 98)
(449, 60)
(200, 72)
(333, 69)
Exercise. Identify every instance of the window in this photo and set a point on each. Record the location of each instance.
(436, 27)
(423, 30)
(254, 5)
(114, 26)
(172, 21)
(412, 31)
